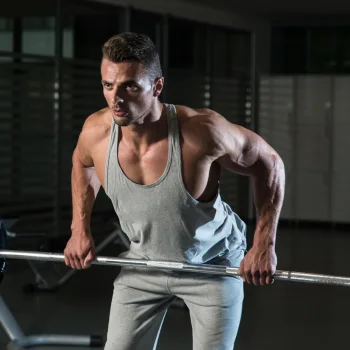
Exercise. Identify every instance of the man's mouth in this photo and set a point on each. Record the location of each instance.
(120, 112)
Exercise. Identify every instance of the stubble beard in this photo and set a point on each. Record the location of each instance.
(121, 122)
(126, 121)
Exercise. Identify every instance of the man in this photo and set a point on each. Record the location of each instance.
(160, 165)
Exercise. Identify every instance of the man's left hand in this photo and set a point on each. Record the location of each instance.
(259, 265)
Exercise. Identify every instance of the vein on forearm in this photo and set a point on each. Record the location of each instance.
(268, 183)
(85, 186)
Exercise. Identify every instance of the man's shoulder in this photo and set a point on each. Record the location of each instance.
(96, 127)
(204, 122)
(196, 115)
(97, 120)
(202, 118)
(202, 128)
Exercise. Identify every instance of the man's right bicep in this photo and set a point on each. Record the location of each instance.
(81, 155)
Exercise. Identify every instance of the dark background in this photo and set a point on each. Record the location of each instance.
(280, 69)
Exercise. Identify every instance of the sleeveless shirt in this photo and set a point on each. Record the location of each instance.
(162, 220)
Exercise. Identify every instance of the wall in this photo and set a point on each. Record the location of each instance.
(305, 21)
(39, 42)
(179, 8)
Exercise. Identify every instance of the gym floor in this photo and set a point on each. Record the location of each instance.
(284, 316)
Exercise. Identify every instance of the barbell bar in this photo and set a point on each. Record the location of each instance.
(289, 276)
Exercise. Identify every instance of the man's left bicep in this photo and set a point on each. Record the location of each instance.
(245, 152)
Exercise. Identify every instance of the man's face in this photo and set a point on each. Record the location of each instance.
(129, 92)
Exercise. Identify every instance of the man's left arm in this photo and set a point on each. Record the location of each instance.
(242, 151)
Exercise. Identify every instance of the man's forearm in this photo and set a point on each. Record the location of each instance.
(85, 186)
(269, 186)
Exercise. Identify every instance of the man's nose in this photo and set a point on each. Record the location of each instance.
(117, 99)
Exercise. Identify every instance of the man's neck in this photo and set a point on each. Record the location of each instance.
(153, 129)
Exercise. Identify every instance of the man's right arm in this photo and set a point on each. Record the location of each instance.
(85, 185)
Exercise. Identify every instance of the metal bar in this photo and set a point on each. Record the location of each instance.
(109, 239)
(58, 116)
(55, 339)
(8, 322)
(281, 275)
(295, 149)
(16, 109)
(25, 55)
(331, 154)
(127, 19)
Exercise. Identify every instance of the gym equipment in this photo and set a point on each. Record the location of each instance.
(18, 340)
(281, 275)
(48, 277)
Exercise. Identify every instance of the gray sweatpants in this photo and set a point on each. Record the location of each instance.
(141, 299)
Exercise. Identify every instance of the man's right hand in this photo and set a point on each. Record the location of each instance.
(79, 251)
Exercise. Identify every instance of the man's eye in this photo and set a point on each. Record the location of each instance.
(107, 85)
(132, 87)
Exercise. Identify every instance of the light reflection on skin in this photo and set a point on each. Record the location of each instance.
(128, 89)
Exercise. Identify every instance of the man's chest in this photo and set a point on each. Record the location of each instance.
(199, 175)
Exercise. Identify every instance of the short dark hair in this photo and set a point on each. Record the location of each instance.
(128, 46)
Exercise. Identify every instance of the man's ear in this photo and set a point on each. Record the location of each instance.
(158, 86)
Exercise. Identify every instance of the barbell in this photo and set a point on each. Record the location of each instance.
(281, 275)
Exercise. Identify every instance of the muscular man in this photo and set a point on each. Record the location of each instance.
(160, 165)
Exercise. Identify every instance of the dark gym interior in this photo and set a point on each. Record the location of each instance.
(279, 69)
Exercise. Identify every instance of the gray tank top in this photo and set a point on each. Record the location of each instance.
(162, 220)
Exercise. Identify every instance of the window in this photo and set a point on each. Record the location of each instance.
(6, 36)
(181, 43)
(231, 52)
(147, 23)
